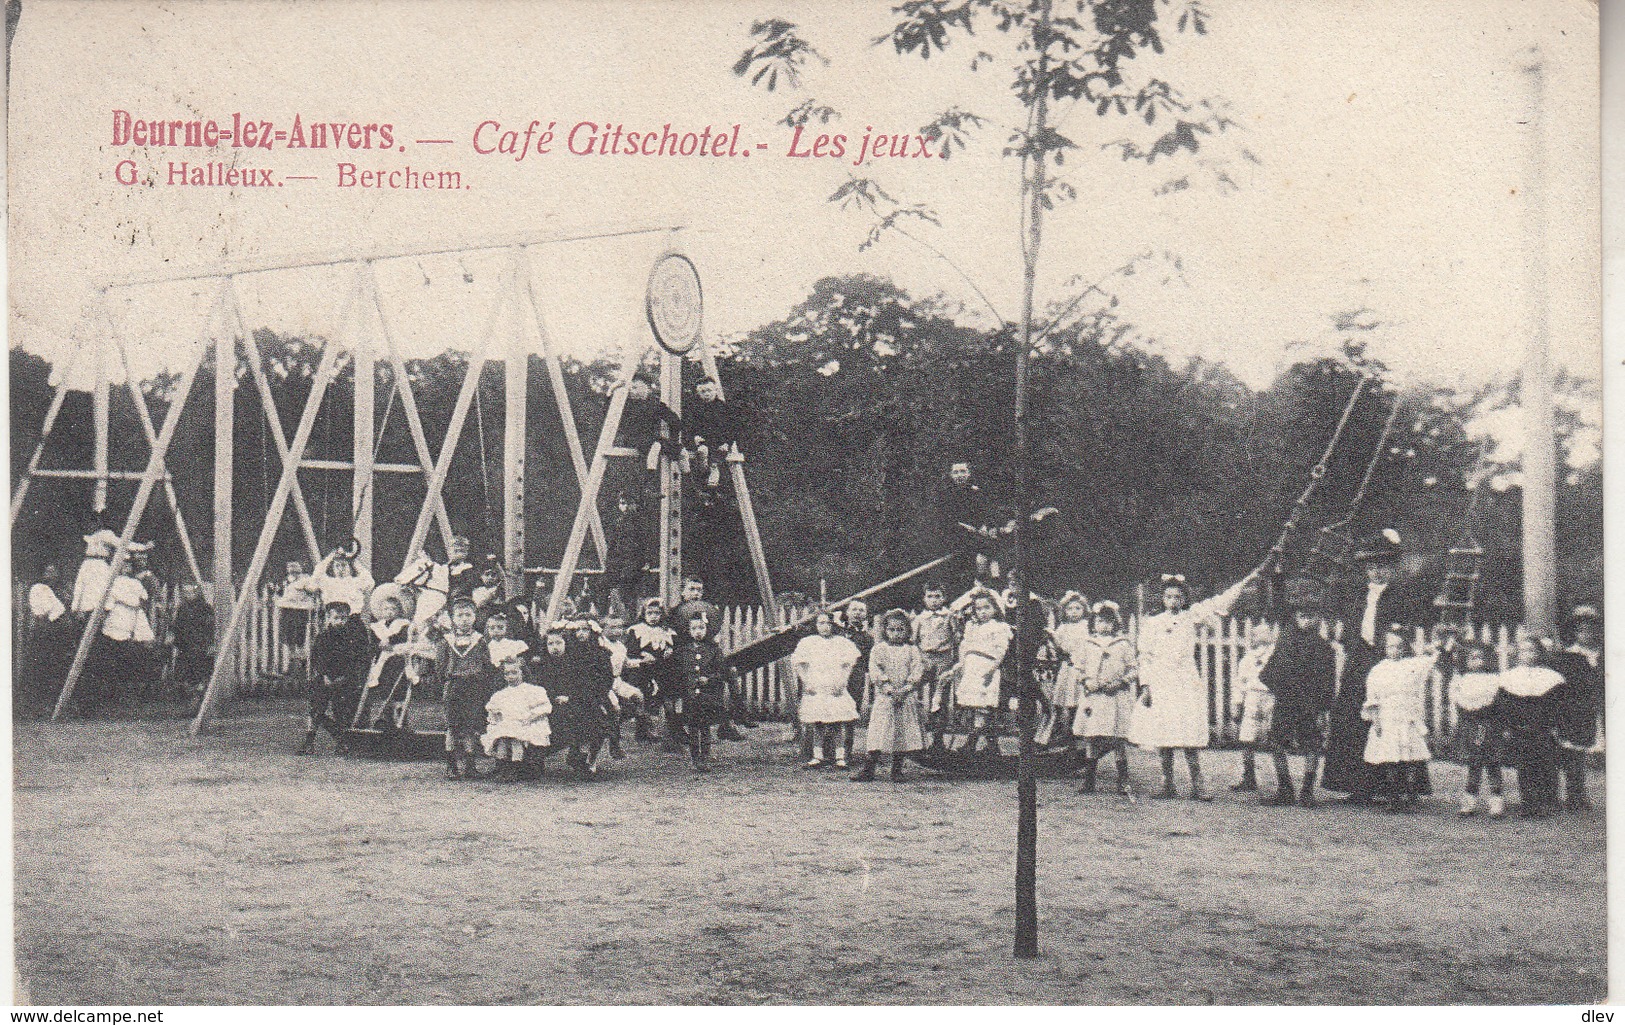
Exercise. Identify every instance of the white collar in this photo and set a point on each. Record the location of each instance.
(1591, 655)
(1530, 681)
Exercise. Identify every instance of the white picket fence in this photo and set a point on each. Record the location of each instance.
(1218, 653)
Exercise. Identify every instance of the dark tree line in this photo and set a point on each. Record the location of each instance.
(854, 403)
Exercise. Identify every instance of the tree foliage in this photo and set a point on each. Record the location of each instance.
(854, 402)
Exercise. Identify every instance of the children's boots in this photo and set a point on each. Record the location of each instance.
(1198, 792)
(1306, 797)
(1091, 769)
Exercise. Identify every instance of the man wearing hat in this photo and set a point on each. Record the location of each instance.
(1577, 702)
(1387, 598)
(1302, 674)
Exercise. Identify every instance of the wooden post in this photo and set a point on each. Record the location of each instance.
(145, 415)
(753, 539)
(409, 402)
(747, 511)
(155, 470)
(256, 369)
(555, 375)
(39, 450)
(589, 492)
(225, 657)
(1034, 182)
(361, 447)
(225, 436)
(1540, 444)
(516, 388)
(671, 485)
(454, 430)
(100, 399)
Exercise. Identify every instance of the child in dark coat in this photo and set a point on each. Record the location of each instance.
(339, 658)
(713, 431)
(700, 677)
(549, 668)
(1578, 702)
(857, 629)
(1479, 731)
(1525, 705)
(580, 717)
(191, 633)
(1302, 675)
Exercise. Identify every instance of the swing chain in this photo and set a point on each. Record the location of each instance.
(1277, 552)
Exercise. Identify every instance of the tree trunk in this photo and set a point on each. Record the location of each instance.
(1026, 714)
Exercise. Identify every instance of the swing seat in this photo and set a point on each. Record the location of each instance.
(395, 720)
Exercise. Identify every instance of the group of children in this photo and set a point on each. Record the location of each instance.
(514, 690)
(147, 634)
(1537, 716)
(949, 667)
(521, 691)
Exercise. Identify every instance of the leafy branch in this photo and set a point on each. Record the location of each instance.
(865, 194)
(778, 51)
(808, 111)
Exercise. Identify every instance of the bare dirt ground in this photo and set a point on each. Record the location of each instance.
(155, 868)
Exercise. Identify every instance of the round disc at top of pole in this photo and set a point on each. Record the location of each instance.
(674, 303)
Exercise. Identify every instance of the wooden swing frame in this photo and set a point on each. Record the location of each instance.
(223, 329)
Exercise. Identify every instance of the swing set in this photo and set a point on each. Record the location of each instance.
(669, 323)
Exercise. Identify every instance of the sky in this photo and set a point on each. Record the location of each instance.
(1404, 167)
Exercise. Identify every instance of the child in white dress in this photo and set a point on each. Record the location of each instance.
(95, 576)
(1070, 636)
(1252, 705)
(981, 652)
(896, 671)
(1172, 714)
(822, 664)
(516, 720)
(1397, 745)
(1107, 671)
(391, 631)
